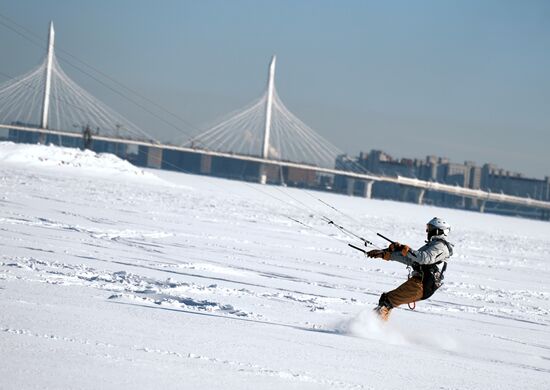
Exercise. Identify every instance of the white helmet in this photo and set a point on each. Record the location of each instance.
(438, 224)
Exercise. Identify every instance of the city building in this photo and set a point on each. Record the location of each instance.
(439, 169)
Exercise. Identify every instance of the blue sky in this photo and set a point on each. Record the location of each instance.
(468, 80)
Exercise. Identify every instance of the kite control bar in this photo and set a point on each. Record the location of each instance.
(385, 238)
(393, 242)
(359, 249)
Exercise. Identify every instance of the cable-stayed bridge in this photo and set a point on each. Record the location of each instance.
(265, 132)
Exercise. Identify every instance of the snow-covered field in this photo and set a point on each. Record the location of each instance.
(116, 277)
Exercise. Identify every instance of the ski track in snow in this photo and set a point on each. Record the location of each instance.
(126, 285)
(142, 242)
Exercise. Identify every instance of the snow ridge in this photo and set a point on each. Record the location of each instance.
(71, 160)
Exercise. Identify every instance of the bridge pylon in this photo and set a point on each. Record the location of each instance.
(48, 79)
(268, 113)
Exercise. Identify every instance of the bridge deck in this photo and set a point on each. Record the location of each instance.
(406, 181)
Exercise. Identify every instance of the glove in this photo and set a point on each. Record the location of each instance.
(377, 253)
(397, 247)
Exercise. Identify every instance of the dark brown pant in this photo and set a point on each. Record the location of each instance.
(408, 292)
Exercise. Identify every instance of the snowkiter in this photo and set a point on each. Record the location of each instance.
(428, 264)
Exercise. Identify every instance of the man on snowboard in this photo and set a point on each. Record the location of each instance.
(428, 264)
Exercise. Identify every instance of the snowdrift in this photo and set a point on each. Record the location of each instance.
(73, 160)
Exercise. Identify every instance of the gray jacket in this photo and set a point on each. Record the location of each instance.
(435, 250)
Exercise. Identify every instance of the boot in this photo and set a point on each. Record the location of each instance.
(384, 307)
(383, 312)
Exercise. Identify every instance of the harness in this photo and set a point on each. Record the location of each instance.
(432, 277)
